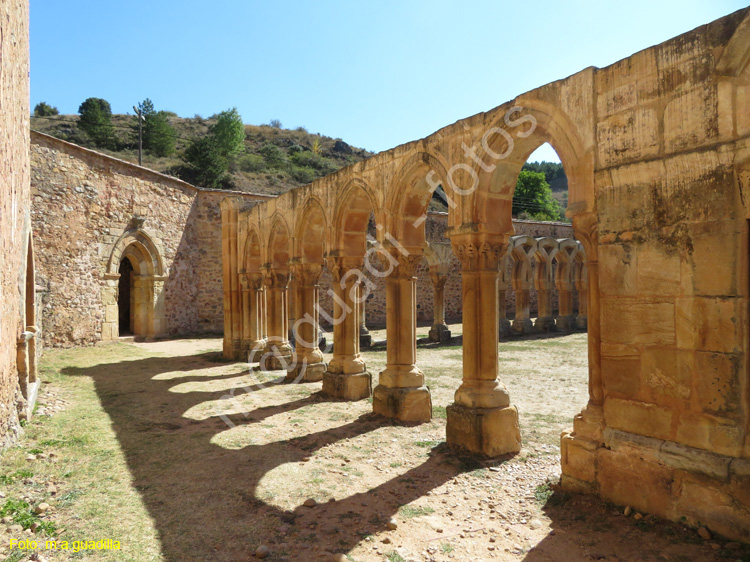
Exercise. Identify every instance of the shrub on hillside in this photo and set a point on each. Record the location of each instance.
(303, 174)
(43, 109)
(273, 155)
(252, 163)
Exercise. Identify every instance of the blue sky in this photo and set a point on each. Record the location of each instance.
(376, 74)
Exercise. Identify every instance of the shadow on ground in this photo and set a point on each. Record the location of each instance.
(202, 497)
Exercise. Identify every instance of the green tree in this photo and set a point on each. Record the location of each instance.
(208, 165)
(229, 133)
(534, 197)
(273, 155)
(158, 134)
(96, 122)
(43, 109)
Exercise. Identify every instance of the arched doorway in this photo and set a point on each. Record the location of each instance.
(133, 294)
(27, 342)
(125, 297)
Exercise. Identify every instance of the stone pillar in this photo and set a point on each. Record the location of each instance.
(439, 331)
(232, 312)
(277, 354)
(546, 249)
(253, 341)
(522, 248)
(308, 359)
(365, 338)
(503, 284)
(578, 448)
(582, 288)
(564, 282)
(346, 376)
(401, 393)
(481, 419)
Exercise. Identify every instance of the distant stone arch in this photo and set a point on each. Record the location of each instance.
(137, 255)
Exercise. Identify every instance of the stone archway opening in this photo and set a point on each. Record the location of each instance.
(27, 341)
(133, 293)
(125, 297)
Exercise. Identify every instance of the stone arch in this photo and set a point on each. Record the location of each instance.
(529, 123)
(147, 289)
(279, 243)
(351, 218)
(311, 232)
(410, 192)
(252, 254)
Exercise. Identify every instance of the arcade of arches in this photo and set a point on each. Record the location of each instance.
(657, 153)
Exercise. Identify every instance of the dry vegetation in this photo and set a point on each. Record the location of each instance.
(151, 451)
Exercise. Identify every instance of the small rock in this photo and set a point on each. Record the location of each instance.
(15, 529)
(535, 524)
(714, 545)
(7, 519)
(637, 516)
(628, 511)
(733, 546)
(305, 459)
(52, 489)
(41, 508)
(34, 526)
(392, 524)
(30, 457)
(310, 502)
(339, 558)
(703, 533)
(262, 551)
(386, 540)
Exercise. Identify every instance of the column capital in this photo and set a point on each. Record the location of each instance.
(252, 281)
(277, 278)
(341, 265)
(307, 274)
(479, 251)
(586, 229)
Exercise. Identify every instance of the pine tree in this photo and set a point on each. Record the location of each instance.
(96, 122)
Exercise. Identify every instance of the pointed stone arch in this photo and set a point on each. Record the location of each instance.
(146, 288)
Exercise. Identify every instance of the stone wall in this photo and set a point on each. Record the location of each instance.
(15, 226)
(85, 204)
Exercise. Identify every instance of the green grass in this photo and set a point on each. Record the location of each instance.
(446, 547)
(394, 556)
(439, 412)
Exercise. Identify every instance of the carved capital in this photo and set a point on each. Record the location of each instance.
(339, 266)
(254, 281)
(405, 266)
(307, 274)
(586, 228)
(478, 252)
(277, 278)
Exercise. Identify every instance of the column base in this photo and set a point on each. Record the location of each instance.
(545, 324)
(440, 333)
(255, 351)
(347, 386)
(489, 432)
(404, 404)
(504, 328)
(306, 372)
(365, 339)
(268, 362)
(522, 326)
(565, 323)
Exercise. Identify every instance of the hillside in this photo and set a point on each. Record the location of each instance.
(301, 156)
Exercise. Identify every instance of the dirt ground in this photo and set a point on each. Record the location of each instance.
(182, 456)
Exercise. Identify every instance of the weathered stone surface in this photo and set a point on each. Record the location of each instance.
(489, 432)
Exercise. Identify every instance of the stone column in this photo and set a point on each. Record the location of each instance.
(253, 295)
(346, 376)
(503, 284)
(582, 288)
(481, 419)
(522, 248)
(564, 264)
(546, 249)
(308, 359)
(578, 448)
(277, 354)
(365, 338)
(439, 331)
(232, 310)
(401, 393)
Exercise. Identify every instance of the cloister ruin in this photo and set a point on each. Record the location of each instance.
(655, 148)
